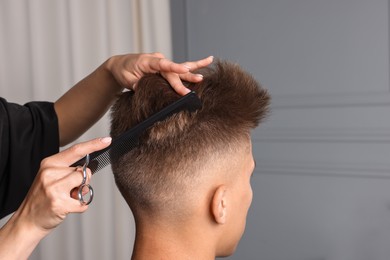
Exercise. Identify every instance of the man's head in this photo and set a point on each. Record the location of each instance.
(192, 166)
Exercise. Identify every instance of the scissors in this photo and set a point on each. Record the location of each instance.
(85, 188)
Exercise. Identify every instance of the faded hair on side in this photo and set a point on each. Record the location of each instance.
(172, 153)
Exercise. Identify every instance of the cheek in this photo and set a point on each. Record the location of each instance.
(245, 202)
(249, 196)
(248, 201)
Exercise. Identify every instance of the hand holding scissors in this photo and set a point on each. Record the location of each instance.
(48, 201)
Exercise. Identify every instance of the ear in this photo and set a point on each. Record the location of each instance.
(219, 205)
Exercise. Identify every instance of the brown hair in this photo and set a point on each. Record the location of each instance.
(173, 152)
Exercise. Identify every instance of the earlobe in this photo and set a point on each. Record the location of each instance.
(219, 205)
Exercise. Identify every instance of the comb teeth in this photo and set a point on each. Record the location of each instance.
(116, 150)
(129, 140)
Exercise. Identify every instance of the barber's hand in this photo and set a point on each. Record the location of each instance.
(128, 69)
(49, 200)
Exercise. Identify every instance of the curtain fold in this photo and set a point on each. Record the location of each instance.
(45, 48)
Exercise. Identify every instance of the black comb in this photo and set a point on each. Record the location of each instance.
(129, 139)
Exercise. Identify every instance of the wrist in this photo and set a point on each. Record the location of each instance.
(108, 67)
(19, 237)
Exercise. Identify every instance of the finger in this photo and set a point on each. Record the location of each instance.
(74, 206)
(66, 179)
(60, 189)
(71, 176)
(51, 175)
(158, 55)
(191, 77)
(164, 65)
(74, 193)
(75, 179)
(78, 151)
(194, 65)
(129, 80)
(175, 82)
(153, 65)
(63, 204)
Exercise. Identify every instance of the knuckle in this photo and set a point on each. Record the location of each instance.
(45, 162)
(45, 177)
(76, 149)
(158, 54)
(144, 63)
(143, 56)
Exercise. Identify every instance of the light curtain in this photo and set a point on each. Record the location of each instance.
(47, 46)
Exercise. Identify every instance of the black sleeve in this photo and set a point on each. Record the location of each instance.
(28, 134)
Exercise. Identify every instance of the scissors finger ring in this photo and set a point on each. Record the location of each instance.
(84, 187)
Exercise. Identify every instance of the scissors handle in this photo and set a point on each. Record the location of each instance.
(85, 186)
(81, 196)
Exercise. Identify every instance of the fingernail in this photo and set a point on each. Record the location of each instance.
(199, 76)
(186, 91)
(212, 58)
(106, 140)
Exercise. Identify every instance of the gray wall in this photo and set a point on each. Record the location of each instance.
(322, 183)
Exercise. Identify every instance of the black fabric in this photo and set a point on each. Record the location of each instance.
(28, 134)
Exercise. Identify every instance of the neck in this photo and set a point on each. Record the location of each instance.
(179, 241)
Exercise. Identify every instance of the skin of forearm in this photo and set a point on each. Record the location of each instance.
(18, 238)
(85, 103)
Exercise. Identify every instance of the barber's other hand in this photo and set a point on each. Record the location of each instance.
(128, 69)
(49, 199)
